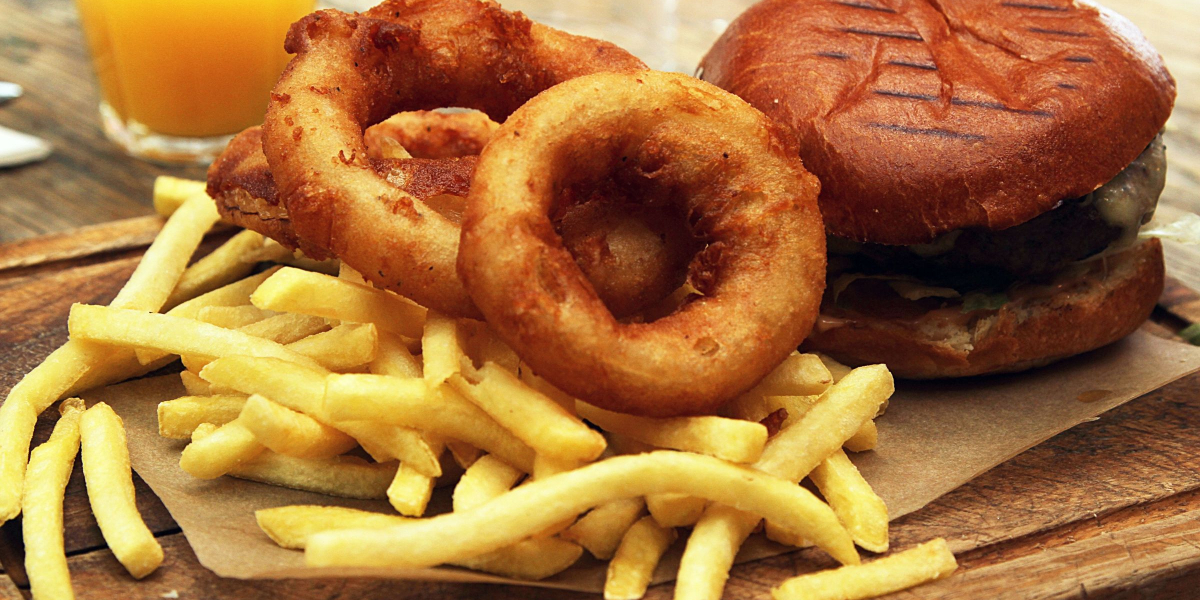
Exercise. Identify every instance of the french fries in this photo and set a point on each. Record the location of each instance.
(178, 418)
(409, 402)
(926, 562)
(440, 350)
(296, 291)
(533, 559)
(392, 357)
(302, 389)
(541, 423)
(171, 192)
(79, 365)
(484, 480)
(601, 529)
(410, 491)
(342, 348)
(850, 496)
(220, 267)
(537, 505)
(109, 482)
(711, 548)
(675, 510)
(215, 451)
(729, 439)
(286, 431)
(49, 469)
(171, 334)
(343, 476)
(232, 317)
(633, 565)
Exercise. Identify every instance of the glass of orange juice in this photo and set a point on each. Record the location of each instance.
(179, 78)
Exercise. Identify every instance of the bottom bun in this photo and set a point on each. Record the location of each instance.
(1088, 308)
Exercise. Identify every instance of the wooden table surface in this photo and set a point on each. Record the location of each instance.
(1108, 509)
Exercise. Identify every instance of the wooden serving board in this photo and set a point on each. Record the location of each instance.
(1110, 508)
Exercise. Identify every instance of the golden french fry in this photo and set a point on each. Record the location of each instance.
(535, 419)
(305, 292)
(196, 386)
(836, 369)
(109, 480)
(545, 466)
(342, 476)
(175, 335)
(409, 402)
(234, 294)
(302, 389)
(850, 496)
(215, 451)
(675, 510)
(50, 467)
(633, 565)
(784, 537)
(342, 348)
(286, 431)
(729, 439)
(273, 251)
(711, 548)
(601, 529)
(464, 454)
(178, 418)
(220, 267)
(392, 357)
(348, 273)
(286, 328)
(171, 192)
(232, 317)
(926, 562)
(529, 378)
(534, 559)
(440, 351)
(167, 257)
(791, 454)
(798, 375)
(866, 438)
(487, 478)
(410, 491)
(482, 345)
(537, 505)
(796, 450)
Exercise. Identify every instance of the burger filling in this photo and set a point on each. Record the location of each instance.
(978, 269)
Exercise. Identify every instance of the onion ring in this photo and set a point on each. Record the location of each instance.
(666, 138)
(430, 134)
(351, 71)
(633, 255)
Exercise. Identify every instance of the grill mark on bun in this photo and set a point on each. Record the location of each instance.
(1068, 86)
(1031, 6)
(914, 65)
(962, 102)
(837, 55)
(1080, 59)
(865, 6)
(897, 35)
(1060, 32)
(932, 131)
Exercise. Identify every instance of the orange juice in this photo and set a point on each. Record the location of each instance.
(189, 68)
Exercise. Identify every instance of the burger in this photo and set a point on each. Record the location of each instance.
(985, 169)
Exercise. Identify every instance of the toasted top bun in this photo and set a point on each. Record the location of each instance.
(1083, 310)
(921, 117)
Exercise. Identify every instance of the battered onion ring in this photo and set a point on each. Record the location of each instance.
(430, 134)
(666, 138)
(351, 71)
(634, 256)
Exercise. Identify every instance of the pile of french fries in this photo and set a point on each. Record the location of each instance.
(302, 375)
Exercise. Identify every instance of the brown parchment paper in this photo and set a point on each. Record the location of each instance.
(934, 437)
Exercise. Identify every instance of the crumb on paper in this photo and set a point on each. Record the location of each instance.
(170, 594)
